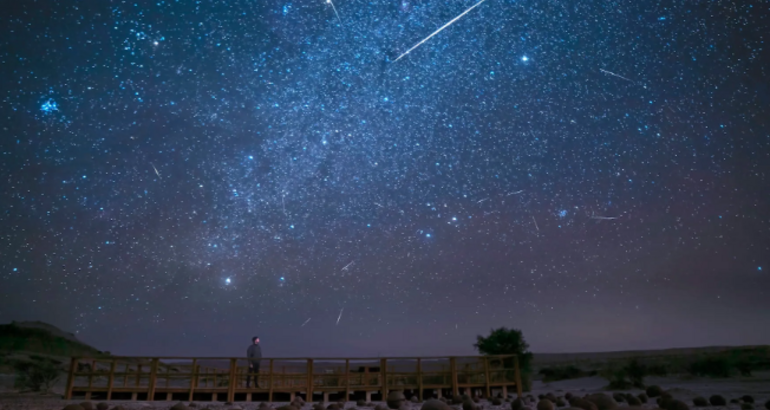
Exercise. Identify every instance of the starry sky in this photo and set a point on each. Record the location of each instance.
(179, 176)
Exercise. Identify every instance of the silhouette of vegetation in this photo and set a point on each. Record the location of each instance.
(711, 367)
(630, 375)
(553, 374)
(508, 341)
(37, 375)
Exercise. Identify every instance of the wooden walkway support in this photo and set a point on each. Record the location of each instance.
(218, 378)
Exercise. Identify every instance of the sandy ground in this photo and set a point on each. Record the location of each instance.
(684, 389)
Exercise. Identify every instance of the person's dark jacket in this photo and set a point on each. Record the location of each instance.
(254, 353)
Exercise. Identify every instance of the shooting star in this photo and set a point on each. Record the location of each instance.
(335, 11)
(535, 221)
(439, 30)
(308, 319)
(348, 265)
(340, 316)
(156, 170)
(616, 75)
(516, 192)
(604, 218)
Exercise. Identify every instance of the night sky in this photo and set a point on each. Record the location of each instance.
(179, 176)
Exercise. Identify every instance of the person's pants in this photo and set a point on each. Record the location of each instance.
(253, 369)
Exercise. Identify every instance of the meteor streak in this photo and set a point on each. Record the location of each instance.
(439, 30)
(335, 11)
(340, 316)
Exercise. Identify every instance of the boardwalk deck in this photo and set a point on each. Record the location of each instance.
(313, 379)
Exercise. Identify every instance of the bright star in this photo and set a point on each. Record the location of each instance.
(525, 59)
(227, 281)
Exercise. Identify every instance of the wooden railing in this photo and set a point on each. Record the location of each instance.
(216, 378)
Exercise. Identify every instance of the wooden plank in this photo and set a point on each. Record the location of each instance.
(270, 387)
(453, 375)
(193, 379)
(347, 380)
(111, 380)
(91, 375)
(309, 385)
(153, 379)
(71, 378)
(232, 380)
(486, 377)
(419, 379)
(518, 376)
(384, 376)
(125, 375)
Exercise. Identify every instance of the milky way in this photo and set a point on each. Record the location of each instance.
(595, 173)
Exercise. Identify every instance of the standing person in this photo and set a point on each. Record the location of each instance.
(254, 354)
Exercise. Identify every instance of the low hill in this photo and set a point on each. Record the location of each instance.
(41, 339)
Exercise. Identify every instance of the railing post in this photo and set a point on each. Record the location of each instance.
(486, 376)
(153, 379)
(71, 378)
(125, 375)
(347, 380)
(139, 375)
(91, 379)
(270, 387)
(384, 375)
(453, 370)
(193, 379)
(419, 378)
(232, 380)
(519, 392)
(111, 380)
(309, 387)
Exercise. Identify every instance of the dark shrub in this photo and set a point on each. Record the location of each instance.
(361, 403)
(767, 405)
(36, 376)
(659, 370)
(560, 403)
(73, 407)
(633, 401)
(469, 405)
(545, 404)
(717, 400)
(496, 401)
(552, 374)
(747, 399)
(619, 397)
(711, 367)
(654, 391)
(508, 341)
(747, 406)
(700, 402)
(517, 404)
(635, 373)
(642, 397)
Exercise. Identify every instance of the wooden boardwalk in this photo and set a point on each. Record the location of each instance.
(224, 379)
